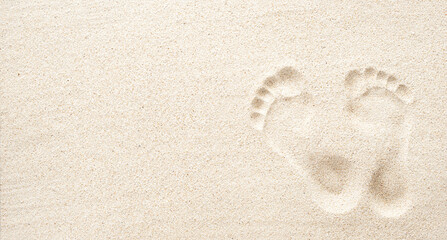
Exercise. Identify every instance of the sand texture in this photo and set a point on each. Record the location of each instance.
(223, 120)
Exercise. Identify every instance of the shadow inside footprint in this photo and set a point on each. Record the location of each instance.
(390, 191)
(387, 185)
(330, 172)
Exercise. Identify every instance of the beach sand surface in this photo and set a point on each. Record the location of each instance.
(131, 119)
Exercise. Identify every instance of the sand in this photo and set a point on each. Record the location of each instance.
(223, 120)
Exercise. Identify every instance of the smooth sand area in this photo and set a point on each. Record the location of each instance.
(223, 120)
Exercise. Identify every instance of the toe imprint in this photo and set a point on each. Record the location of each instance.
(359, 82)
(376, 98)
(284, 84)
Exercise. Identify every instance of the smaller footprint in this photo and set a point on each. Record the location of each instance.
(380, 106)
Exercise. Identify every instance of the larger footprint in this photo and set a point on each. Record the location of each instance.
(379, 104)
(336, 161)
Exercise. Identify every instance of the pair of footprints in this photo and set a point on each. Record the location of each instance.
(344, 150)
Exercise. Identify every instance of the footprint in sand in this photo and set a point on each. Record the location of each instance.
(379, 103)
(341, 151)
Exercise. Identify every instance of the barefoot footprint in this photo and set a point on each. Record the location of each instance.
(337, 149)
(333, 158)
(378, 103)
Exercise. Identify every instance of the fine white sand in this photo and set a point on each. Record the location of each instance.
(223, 120)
